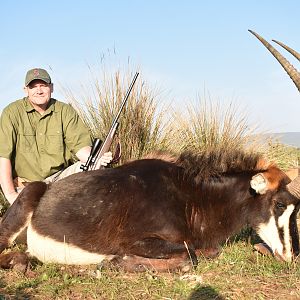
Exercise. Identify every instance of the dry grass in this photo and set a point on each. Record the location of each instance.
(141, 128)
(208, 125)
(148, 123)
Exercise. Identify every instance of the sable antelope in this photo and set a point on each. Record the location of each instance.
(154, 213)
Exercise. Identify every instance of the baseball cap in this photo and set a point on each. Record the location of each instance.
(37, 73)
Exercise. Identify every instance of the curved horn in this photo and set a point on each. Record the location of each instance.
(294, 187)
(292, 72)
(287, 48)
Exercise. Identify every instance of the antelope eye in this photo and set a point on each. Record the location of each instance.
(280, 205)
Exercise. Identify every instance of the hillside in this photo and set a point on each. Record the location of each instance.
(288, 138)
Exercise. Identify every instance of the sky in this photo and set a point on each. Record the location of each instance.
(186, 49)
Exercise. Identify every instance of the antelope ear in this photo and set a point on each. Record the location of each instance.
(259, 183)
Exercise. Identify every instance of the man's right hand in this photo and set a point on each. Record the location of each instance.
(6, 180)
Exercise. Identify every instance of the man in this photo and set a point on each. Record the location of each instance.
(39, 137)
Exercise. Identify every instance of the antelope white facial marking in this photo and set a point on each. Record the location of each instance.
(270, 233)
(48, 250)
(283, 223)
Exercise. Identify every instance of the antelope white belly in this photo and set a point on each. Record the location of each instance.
(48, 250)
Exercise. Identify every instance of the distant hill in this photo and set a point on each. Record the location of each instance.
(288, 138)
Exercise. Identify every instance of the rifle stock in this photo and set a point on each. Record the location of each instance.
(97, 152)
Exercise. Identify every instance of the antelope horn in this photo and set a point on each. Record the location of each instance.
(294, 187)
(289, 68)
(287, 48)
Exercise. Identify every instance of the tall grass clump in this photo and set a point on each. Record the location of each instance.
(142, 122)
(206, 125)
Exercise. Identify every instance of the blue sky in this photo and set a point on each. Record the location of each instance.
(186, 48)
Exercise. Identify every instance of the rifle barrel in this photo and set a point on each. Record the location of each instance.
(108, 140)
(126, 96)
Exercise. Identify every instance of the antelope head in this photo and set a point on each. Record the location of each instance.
(293, 187)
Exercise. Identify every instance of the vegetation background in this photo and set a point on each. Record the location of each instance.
(149, 124)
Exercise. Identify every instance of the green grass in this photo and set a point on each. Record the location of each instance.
(238, 273)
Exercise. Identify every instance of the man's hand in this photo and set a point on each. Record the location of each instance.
(105, 159)
(6, 180)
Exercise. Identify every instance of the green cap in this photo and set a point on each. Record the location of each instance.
(36, 73)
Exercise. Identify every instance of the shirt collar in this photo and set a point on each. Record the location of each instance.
(51, 107)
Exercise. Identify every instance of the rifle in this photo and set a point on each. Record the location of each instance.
(93, 161)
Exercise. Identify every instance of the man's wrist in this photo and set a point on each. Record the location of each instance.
(11, 196)
(7, 194)
(10, 192)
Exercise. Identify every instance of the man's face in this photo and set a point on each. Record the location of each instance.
(39, 94)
